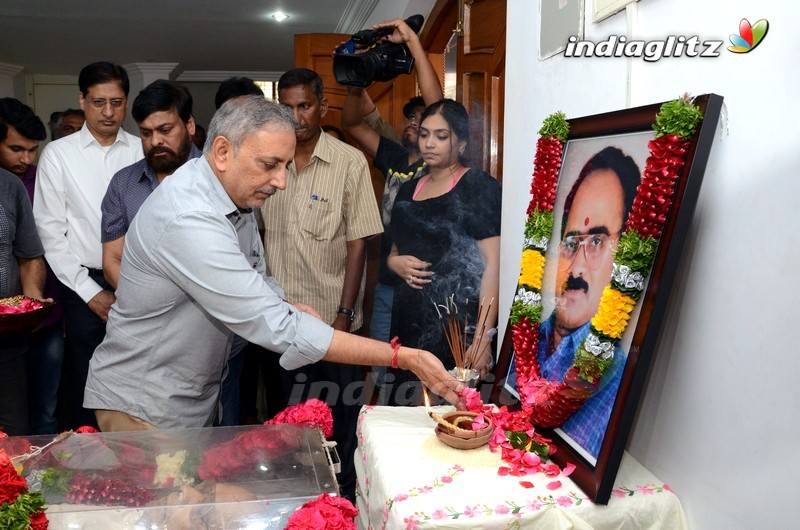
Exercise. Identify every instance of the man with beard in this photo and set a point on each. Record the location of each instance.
(163, 111)
(71, 180)
(398, 158)
(595, 212)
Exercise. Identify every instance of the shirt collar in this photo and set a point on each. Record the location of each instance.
(324, 148)
(219, 197)
(85, 137)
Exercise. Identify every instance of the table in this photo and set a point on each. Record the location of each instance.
(408, 479)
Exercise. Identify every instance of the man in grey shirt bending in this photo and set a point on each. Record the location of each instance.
(187, 285)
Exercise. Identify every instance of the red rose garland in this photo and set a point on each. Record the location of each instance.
(240, 455)
(314, 413)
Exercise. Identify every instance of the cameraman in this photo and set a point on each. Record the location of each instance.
(398, 161)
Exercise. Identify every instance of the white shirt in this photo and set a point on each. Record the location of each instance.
(71, 181)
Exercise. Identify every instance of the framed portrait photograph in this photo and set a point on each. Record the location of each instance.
(604, 159)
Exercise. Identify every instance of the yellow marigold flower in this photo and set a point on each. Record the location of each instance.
(531, 269)
(613, 313)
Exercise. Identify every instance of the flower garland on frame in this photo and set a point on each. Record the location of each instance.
(550, 403)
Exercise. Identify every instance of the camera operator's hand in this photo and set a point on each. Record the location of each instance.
(402, 33)
(430, 85)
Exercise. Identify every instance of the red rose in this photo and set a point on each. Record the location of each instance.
(312, 412)
(324, 512)
(306, 519)
(11, 484)
(85, 429)
(39, 521)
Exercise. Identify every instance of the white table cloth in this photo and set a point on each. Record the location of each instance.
(408, 479)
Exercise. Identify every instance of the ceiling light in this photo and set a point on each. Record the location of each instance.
(280, 16)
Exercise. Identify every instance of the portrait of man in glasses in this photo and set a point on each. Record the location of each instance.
(595, 212)
(593, 217)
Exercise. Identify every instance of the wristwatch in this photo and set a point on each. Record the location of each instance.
(351, 314)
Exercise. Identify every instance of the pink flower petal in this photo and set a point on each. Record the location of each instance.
(525, 484)
(570, 467)
(554, 485)
(503, 471)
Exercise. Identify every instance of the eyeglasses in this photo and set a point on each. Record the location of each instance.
(101, 103)
(594, 246)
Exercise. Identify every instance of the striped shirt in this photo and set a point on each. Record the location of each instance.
(307, 226)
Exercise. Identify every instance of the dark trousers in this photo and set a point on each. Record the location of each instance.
(13, 387)
(84, 331)
(263, 363)
(342, 387)
(45, 355)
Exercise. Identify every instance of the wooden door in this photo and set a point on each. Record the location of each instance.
(481, 72)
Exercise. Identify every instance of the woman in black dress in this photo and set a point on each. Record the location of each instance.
(446, 247)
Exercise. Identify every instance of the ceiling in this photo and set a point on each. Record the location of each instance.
(59, 37)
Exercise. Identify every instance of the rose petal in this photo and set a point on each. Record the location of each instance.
(525, 484)
(554, 485)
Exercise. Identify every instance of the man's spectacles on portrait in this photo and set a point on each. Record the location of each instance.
(594, 246)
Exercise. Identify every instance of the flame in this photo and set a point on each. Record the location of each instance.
(427, 401)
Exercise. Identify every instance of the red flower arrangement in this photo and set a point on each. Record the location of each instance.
(19, 508)
(106, 492)
(314, 413)
(324, 513)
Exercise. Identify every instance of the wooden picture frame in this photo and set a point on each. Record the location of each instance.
(629, 130)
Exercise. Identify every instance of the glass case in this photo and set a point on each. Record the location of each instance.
(216, 478)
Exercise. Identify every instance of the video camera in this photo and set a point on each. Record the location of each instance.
(382, 62)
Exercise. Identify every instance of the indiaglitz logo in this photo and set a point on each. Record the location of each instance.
(749, 36)
(650, 51)
(672, 46)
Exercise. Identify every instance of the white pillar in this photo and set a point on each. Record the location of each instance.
(7, 74)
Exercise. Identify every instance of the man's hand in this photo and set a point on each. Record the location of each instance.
(430, 370)
(101, 303)
(402, 32)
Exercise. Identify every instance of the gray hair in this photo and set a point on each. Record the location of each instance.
(244, 115)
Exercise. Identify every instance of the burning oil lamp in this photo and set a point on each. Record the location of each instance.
(458, 429)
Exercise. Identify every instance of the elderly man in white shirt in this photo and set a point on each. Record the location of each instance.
(72, 178)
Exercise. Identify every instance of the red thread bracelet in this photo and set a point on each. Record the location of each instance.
(395, 342)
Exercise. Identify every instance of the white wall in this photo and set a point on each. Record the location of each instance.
(719, 418)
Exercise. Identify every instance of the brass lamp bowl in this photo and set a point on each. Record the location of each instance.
(468, 438)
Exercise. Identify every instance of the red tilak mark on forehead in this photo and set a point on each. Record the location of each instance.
(586, 222)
